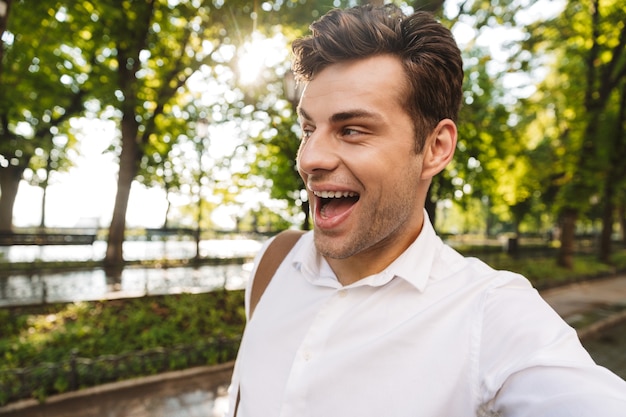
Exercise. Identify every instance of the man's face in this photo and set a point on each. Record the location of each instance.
(357, 158)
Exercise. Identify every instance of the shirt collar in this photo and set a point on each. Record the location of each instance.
(414, 265)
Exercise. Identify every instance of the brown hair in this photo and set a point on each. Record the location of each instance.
(429, 54)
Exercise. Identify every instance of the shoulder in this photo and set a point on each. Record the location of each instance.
(470, 271)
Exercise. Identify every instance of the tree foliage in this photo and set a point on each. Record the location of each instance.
(526, 154)
(41, 87)
(587, 44)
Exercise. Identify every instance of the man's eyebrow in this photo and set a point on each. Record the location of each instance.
(303, 114)
(353, 114)
(343, 116)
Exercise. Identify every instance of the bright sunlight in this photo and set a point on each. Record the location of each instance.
(258, 54)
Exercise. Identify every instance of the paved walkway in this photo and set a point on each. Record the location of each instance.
(592, 305)
(580, 297)
(202, 391)
(196, 392)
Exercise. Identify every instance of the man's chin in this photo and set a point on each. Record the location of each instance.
(331, 247)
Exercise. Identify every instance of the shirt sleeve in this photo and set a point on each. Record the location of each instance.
(531, 362)
(560, 391)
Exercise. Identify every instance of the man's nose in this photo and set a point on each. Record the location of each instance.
(319, 152)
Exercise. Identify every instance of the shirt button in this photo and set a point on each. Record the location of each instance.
(343, 293)
(306, 356)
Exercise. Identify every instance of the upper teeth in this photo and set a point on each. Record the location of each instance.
(334, 194)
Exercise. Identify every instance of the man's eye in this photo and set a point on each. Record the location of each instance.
(349, 132)
(306, 133)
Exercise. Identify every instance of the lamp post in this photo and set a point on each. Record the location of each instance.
(202, 133)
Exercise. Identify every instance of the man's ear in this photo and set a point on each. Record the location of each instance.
(439, 149)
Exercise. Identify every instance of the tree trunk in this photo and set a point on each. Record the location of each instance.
(599, 89)
(114, 258)
(4, 19)
(622, 221)
(617, 161)
(568, 231)
(10, 178)
(432, 6)
(168, 206)
(604, 254)
(128, 52)
(44, 197)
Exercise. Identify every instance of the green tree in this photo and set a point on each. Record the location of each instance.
(41, 87)
(484, 132)
(615, 177)
(272, 149)
(51, 158)
(588, 44)
(149, 51)
(492, 164)
(276, 150)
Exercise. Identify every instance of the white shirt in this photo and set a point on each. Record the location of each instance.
(434, 334)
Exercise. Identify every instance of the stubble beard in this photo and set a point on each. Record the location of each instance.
(383, 225)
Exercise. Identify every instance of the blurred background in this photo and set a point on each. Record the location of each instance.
(180, 115)
(147, 149)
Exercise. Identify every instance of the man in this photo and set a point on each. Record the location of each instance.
(371, 314)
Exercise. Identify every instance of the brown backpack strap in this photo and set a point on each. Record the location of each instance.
(269, 263)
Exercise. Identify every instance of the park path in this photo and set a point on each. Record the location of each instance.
(603, 300)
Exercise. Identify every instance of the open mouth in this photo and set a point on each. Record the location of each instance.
(335, 203)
